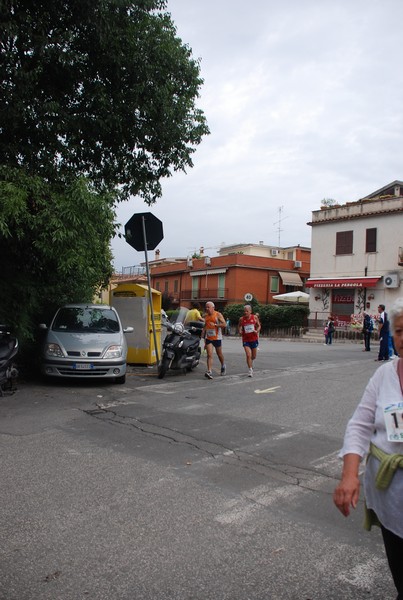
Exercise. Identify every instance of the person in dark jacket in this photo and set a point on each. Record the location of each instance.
(383, 328)
(329, 331)
(367, 328)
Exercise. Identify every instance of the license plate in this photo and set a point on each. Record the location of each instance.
(83, 366)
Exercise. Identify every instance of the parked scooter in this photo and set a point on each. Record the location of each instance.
(181, 346)
(8, 352)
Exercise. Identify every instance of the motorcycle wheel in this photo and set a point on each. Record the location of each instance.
(163, 367)
(193, 365)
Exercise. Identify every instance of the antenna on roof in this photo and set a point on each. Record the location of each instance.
(280, 219)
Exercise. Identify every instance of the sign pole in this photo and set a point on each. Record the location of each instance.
(136, 229)
(150, 300)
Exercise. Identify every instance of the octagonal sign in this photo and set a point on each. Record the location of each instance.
(134, 231)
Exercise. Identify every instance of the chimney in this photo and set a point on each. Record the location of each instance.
(157, 254)
(201, 251)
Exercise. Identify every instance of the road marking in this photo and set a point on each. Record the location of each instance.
(363, 575)
(287, 434)
(239, 511)
(268, 391)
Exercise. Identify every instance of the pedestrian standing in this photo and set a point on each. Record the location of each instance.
(329, 331)
(367, 328)
(214, 323)
(383, 330)
(249, 328)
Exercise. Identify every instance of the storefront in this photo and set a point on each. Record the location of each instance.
(342, 296)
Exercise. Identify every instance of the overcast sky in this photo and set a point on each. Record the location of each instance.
(304, 100)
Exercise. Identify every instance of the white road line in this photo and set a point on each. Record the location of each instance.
(364, 574)
(286, 434)
(240, 510)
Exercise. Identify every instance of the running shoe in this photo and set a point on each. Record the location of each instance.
(250, 373)
(208, 374)
(223, 370)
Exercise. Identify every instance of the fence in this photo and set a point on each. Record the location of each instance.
(280, 332)
(353, 334)
(341, 333)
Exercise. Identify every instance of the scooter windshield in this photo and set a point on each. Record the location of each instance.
(179, 316)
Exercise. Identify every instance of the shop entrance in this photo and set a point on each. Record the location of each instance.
(342, 306)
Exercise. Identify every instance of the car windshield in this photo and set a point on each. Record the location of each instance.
(86, 319)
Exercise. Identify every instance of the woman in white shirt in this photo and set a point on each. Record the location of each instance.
(376, 427)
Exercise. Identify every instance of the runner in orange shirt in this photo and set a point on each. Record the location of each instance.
(214, 323)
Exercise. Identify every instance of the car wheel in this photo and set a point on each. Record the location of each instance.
(121, 379)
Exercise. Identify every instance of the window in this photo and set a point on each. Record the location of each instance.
(175, 286)
(195, 287)
(166, 287)
(290, 255)
(370, 240)
(221, 286)
(157, 286)
(344, 242)
(274, 282)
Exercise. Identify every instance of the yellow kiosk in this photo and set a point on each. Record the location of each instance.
(131, 302)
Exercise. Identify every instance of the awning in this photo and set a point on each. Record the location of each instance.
(290, 278)
(343, 282)
(207, 272)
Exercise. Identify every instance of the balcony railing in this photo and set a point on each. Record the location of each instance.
(205, 294)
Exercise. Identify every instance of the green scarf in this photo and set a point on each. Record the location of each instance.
(384, 476)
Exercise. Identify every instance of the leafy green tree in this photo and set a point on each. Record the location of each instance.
(328, 202)
(233, 312)
(271, 316)
(100, 88)
(97, 104)
(255, 305)
(54, 247)
(274, 316)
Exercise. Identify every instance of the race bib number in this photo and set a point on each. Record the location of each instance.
(393, 414)
(211, 333)
(249, 328)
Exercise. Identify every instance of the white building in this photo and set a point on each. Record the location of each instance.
(288, 253)
(357, 255)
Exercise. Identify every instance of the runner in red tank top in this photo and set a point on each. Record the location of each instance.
(249, 328)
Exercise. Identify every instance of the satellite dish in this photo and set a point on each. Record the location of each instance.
(248, 297)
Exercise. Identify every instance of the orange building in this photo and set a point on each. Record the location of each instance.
(255, 269)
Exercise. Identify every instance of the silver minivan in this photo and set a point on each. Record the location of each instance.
(86, 341)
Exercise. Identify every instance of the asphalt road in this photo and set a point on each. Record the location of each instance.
(188, 489)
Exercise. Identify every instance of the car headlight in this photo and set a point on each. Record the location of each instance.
(113, 352)
(53, 350)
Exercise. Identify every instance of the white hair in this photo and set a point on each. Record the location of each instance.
(395, 312)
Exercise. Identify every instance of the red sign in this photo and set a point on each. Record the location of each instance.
(343, 282)
(340, 299)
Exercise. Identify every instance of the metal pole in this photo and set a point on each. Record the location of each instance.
(149, 290)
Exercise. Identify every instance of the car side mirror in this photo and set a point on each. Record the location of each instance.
(128, 330)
